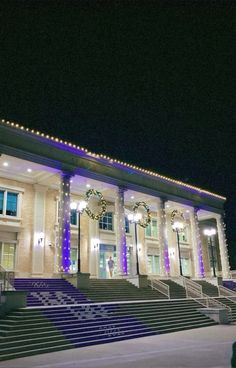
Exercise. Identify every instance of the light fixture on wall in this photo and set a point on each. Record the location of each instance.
(95, 243)
(171, 252)
(40, 238)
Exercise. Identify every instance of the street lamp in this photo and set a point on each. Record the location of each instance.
(209, 233)
(178, 227)
(134, 218)
(79, 207)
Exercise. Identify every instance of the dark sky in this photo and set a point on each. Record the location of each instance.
(149, 82)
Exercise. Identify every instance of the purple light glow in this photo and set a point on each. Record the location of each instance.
(167, 261)
(123, 251)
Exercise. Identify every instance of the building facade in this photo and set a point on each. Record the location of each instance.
(40, 176)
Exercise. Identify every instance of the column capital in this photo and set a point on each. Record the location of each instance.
(121, 189)
(66, 174)
(40, 188)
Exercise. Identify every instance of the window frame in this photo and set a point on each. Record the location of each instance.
(112, 224)
(151, 226)
(16, 191)
(2, 246)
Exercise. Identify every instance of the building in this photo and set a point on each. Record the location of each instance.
(41, 175)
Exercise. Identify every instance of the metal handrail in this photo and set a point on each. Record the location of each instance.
(160, 286)
(231, 298)
(208, 302)
(190, 286)
(223, 290)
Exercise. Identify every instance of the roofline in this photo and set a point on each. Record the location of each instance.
(106, 160)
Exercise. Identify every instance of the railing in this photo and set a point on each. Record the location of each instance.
(210, 302)
(6, 279)
(223, 291)
(192, 288)
(160, 286)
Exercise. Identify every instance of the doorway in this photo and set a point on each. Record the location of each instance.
(105, 252)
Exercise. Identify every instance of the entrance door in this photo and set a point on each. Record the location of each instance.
(107, 251)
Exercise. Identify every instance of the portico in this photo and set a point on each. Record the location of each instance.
(39, 232)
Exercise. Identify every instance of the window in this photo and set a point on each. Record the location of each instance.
(73, 217)
(8, 203)
(7, 256)
(151, 229)
(153, 264)
(126, 225)
(106, 222)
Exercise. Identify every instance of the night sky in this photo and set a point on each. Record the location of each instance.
(148, 82)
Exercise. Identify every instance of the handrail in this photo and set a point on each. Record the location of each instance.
(231, 298)
(160, 286)
(6, 279)
(223, 290)
(190, 286)
(211, 302)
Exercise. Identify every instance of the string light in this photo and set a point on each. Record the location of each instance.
(108, 159)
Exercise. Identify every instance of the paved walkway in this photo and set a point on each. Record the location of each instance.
(199, 348)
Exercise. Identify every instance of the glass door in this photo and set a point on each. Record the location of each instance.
(107, 254)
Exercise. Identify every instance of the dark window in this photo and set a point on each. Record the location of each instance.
(1, 201)
(126, 225)
(11, 209)
(73, 217)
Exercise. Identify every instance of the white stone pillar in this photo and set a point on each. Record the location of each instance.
(163, 240)
(64, 223)
(39, 230)
(223, 247)
(120, 232)
(93, 248)
(196, 244)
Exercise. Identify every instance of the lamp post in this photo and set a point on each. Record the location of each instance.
(178, 226)
(79, 207)
(134, 218)
(209, 233)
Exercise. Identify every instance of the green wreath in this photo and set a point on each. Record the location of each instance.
(96, 216)
(144, 223)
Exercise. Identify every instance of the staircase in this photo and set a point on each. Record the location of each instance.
(176, 291)
(119, 290)
(45, 292)
(207, 288)
(34, 331)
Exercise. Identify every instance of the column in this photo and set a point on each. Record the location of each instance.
(39, 230)
(163, 241)
(223, 246)
(196, 244)
(94, 248)
(120, 231)
(64, 223)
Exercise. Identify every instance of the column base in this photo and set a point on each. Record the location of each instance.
(141, 281)
(83, 280)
